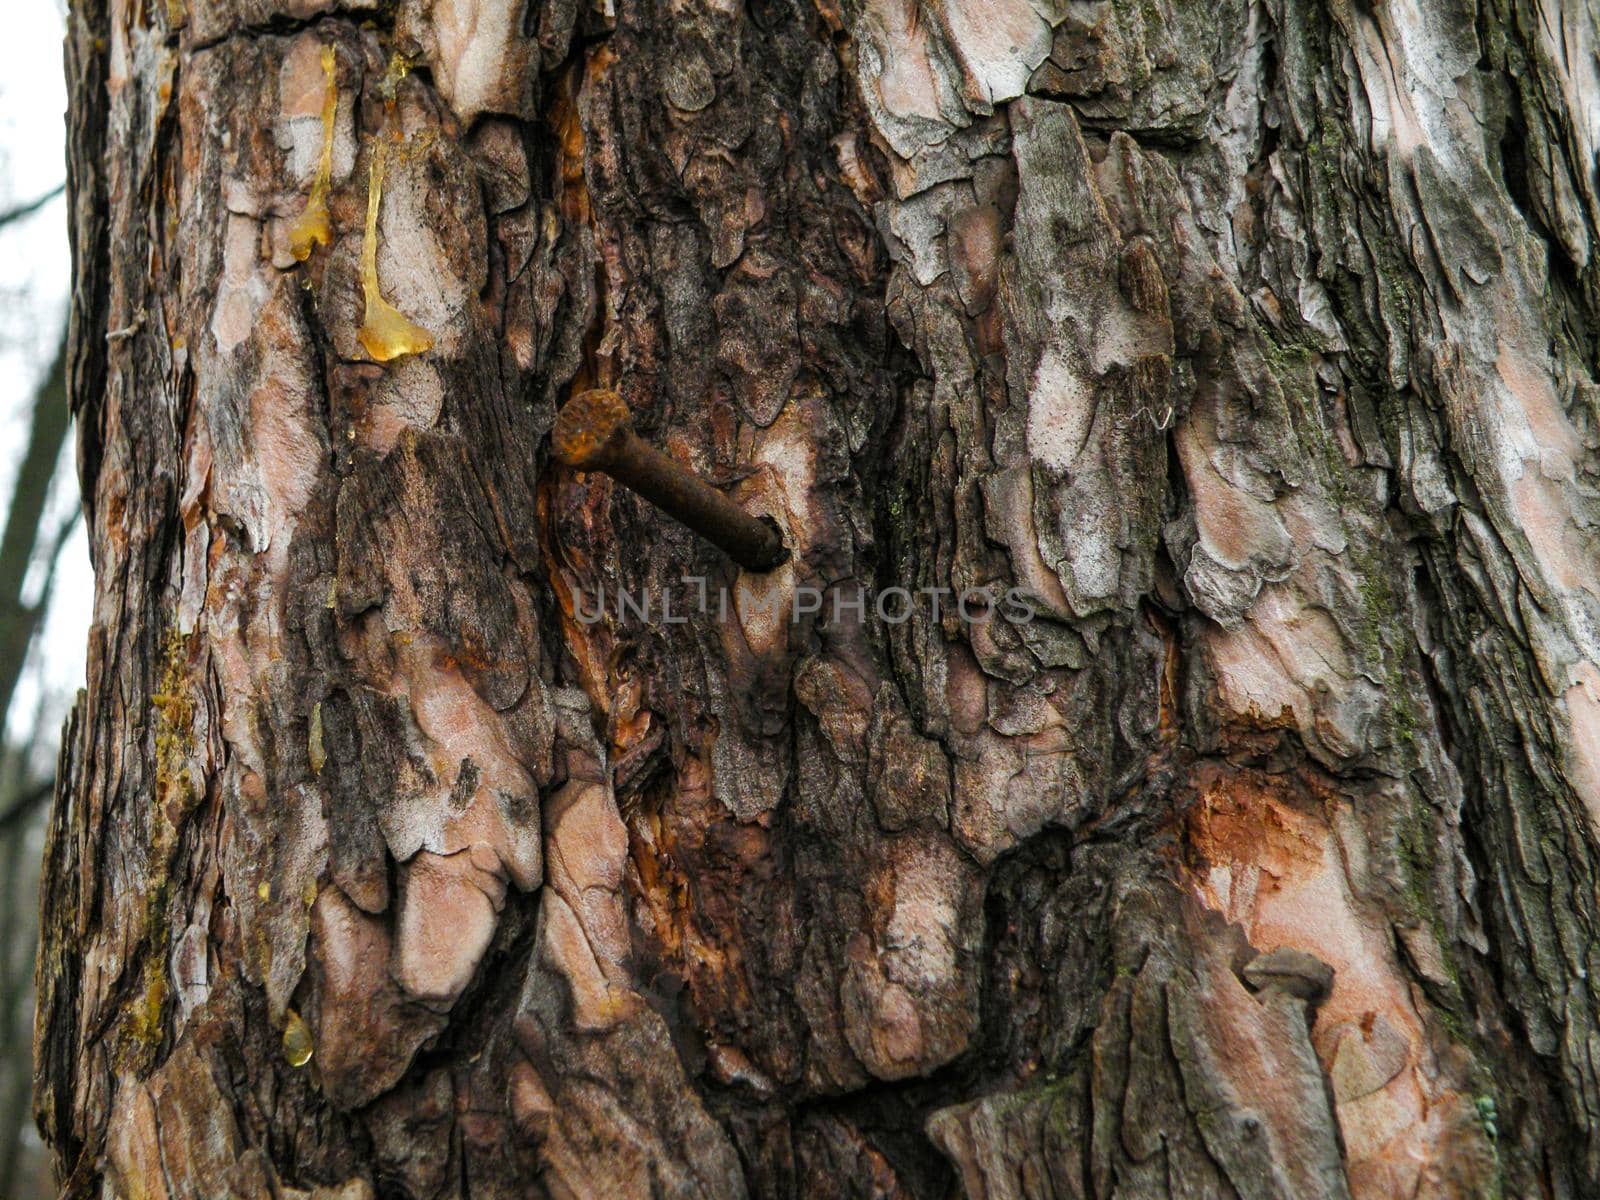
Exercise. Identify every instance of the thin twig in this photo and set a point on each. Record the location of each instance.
(31, 207)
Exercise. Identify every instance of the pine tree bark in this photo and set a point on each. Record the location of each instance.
(1254, 341)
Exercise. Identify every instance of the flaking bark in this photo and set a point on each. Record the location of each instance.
(1254, 340)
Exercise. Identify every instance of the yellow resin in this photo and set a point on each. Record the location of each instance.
(386, 333)
(399, 67)
(314, 228)
(314, 750)
(296, 1040)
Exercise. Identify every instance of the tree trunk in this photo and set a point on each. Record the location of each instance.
(1253, 853)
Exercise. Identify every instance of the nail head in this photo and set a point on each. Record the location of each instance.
(589, 428)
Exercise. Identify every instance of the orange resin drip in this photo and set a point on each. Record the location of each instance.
(386, 333)
(314, 228)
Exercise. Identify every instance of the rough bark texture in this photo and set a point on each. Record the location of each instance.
(1255, 340)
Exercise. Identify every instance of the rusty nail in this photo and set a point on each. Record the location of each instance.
(594, 432)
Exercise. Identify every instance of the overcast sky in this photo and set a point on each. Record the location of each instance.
(34, 273)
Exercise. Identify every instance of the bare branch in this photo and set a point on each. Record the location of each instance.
(32, 206)
(21, 536)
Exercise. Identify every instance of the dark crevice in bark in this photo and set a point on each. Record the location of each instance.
(478, 1016)
(380, 19)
